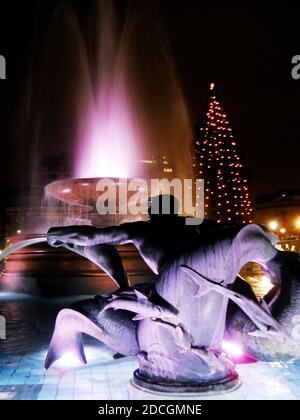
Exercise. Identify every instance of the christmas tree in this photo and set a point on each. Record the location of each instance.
(217, 160)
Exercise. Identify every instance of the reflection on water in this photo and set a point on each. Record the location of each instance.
(29, 322)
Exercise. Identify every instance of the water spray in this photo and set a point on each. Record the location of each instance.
(5, 253)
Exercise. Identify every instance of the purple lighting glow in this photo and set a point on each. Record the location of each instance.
(129, 102)
(109, 132)
(232, 349)
(108, 144)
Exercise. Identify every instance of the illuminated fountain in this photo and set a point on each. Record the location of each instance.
(124, 107)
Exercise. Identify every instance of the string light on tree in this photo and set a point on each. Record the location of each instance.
(217, 160)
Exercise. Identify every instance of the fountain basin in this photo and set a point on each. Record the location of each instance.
(77, 192)
(74, 201)
(43, 270)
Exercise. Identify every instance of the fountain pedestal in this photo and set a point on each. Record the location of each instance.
(143, 388)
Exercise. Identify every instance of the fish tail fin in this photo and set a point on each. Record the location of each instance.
(67, 337)
(64, 341)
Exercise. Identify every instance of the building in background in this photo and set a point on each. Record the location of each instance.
(155, 167)
(280, 213)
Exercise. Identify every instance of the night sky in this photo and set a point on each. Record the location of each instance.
(245, 50)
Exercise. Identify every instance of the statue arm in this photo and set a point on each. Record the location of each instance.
(113, 235)
(88, 235)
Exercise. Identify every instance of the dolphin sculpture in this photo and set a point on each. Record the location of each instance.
(283, 304)
(260, 315)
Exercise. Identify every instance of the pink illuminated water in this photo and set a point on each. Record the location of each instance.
(107, 141)
(231, 348)
(130, 103)
(103, 101)
(108, 146)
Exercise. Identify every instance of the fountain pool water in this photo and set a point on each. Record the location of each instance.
(30, 322)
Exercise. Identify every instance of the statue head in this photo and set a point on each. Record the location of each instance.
(163, 207)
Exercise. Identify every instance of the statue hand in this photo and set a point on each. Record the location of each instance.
(55, 237)
(77, 235)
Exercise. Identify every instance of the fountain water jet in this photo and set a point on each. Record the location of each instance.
(19, 245)
(122, 103)
(130, 102)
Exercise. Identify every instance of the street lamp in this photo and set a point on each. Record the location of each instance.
(273, 225)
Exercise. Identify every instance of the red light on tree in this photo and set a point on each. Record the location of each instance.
(214, 157)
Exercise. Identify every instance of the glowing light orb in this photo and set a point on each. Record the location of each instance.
(231, 348)
(273, 225)
(265, 283)
(261, 285)
(95, 354)
(68, 360)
